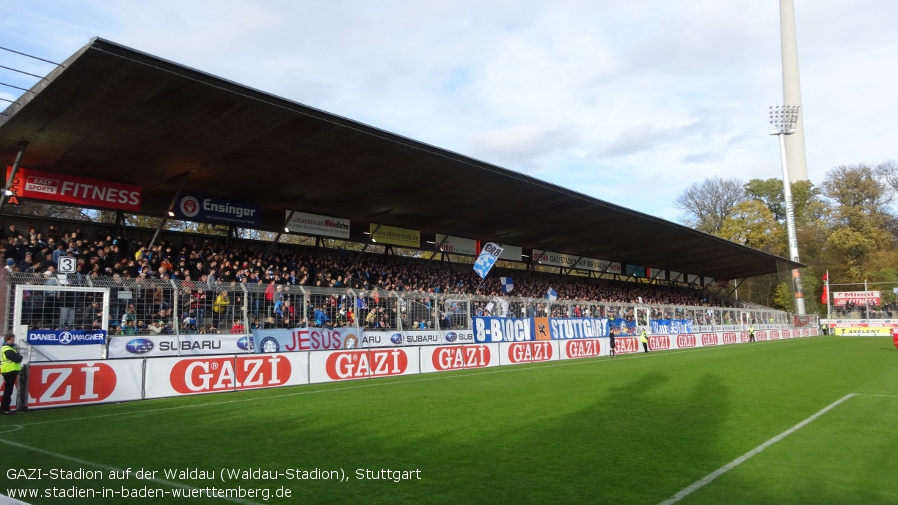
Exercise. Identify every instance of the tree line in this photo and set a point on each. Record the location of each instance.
(846, 226)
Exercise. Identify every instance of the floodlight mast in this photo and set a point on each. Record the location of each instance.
(782, 123)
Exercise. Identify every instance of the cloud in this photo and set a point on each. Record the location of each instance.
(627, 101)
(521, 147)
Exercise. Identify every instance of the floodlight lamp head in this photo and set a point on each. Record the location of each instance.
(783, 119)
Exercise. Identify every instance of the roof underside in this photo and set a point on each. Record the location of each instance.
(113, 113)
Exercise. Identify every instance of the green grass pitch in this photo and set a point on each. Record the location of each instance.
(636, 429)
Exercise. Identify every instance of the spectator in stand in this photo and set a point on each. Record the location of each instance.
(285, 314)
(130, 315)
(188, 324)
(304, 266)
(321, 317)
(222, 307)
(27, 263)
(69, 302)
(159, 302)
(129, 328)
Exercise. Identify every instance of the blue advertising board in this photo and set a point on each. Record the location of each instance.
(216, 210)
(66, 337)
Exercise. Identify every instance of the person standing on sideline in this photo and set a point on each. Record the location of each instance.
(644, 338)
(611, 336)
(10, 365)
(895, 336)
(751, 333)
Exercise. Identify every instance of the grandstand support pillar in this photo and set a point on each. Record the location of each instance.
(286, 228)
(171, 209)
(373, 233)
(439, 247)
(120, 224)
(7, 190)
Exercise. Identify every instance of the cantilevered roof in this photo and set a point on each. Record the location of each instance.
(114, 113)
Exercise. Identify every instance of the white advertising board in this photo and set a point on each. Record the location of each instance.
(215, 374)
(60, 383)
(333, 366)
(458, 357)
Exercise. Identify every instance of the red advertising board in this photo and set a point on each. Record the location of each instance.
(82, 191)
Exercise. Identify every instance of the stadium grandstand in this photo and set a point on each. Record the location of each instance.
(314, 220)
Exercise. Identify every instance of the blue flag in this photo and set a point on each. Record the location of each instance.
(487, 259)
(551, 294)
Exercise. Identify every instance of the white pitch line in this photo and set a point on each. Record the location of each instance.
(741, 459)
(85, 462)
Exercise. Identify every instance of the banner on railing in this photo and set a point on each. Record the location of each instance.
(622, 326)
(66, 337)
(305, 339)
(183, 345)
(503, 329)
(564, 329)
(671, 326)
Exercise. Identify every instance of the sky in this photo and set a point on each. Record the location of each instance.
(631, 102)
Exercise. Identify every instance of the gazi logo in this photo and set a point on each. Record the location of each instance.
(89, 382)
(457, 357)
(709, 339)
(582, 348)
(528, 352)
(362, 364)
(227, 374)
(685, 341)
(626, 345)
(659, 342)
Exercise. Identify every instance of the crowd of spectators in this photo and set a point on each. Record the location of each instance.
(208, 274)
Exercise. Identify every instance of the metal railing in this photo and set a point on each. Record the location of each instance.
(145, 306)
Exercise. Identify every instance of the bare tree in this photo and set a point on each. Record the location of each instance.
(708, 204)
(888, 172)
